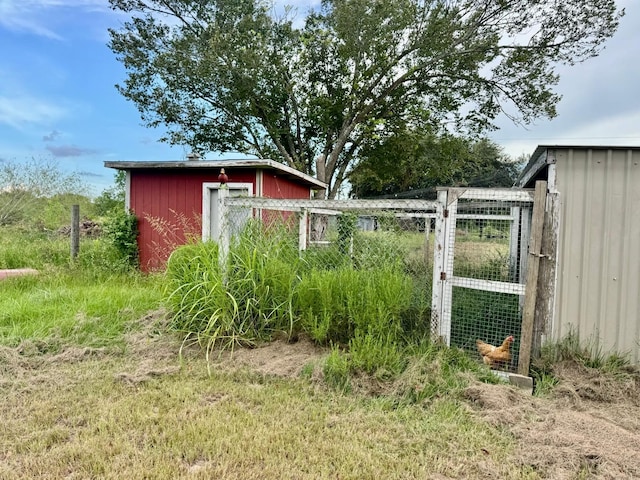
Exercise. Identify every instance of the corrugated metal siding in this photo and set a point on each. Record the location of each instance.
(599, 254)
(168, 195)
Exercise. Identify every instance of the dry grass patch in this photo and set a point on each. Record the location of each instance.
(88, 423)
(588, 428)
(146, 414)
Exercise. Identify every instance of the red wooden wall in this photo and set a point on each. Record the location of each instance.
(168, 205)
(277, 186)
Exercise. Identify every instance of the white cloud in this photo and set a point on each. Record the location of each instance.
(24, 111)
(39, 17)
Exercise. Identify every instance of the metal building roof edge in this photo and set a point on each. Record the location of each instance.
(541, 158)
(230, 163)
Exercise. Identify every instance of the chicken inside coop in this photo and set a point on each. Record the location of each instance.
(496, 357)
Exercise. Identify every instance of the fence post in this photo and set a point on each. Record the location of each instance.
(531, 289)
(547, 274)
(75, 231)
(437, 293)
(302, 230)
(223, 235)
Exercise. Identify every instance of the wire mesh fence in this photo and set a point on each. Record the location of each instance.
(485, 266)
(364, 232)
(465, 255)
(364, 236)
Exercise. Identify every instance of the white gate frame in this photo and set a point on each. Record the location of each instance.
(443, 278)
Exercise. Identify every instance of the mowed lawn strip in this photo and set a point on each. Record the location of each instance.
(86, 419)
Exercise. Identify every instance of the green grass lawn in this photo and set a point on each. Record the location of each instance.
(73, 308)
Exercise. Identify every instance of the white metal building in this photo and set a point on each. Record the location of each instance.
(592, 239)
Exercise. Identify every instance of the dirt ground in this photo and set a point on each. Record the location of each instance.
(589, 424)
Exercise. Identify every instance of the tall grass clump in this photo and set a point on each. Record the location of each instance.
(333, 304)
(361, 309)
(362, 302)
(241, 301)
(262, 273)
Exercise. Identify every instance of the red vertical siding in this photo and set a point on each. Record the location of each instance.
(168, 204)
(277, 186)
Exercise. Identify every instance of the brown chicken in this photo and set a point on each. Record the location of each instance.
(496, 356)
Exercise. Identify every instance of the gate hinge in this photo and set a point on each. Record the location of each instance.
(443, 275)
(445, 214)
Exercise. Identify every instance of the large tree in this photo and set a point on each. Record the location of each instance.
(230, 75)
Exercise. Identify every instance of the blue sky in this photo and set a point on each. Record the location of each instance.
(58, 100)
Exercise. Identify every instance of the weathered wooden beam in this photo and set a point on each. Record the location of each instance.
(533, 265)
(547, 274)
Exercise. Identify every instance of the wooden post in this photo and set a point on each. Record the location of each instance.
(75, 231)
(224, 225)
(531, 289)
(302, 230)
(547, 274)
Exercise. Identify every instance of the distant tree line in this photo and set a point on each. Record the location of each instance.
(410, 164)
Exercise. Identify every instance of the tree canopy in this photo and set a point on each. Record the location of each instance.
(428, 161)
(230, 75)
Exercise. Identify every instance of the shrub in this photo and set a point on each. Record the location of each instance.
(121, 228)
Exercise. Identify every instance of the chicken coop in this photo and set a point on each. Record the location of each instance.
(499, 269)
(178, 201)
(590, 260)
(466, 254)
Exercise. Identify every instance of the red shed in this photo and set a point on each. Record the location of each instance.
(177, 200)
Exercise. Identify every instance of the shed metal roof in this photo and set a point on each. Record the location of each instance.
(539, 159)
(282, 169)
